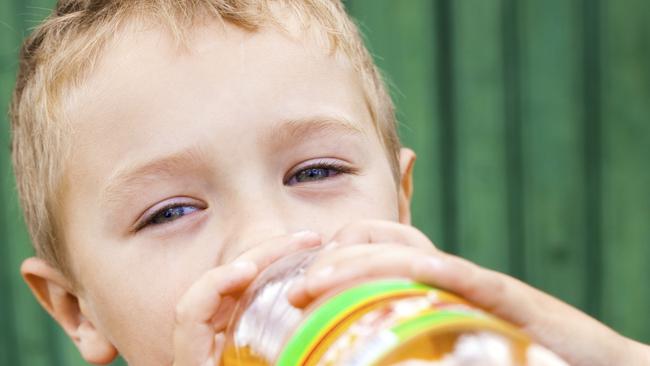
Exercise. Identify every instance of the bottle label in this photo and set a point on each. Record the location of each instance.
(364, 324)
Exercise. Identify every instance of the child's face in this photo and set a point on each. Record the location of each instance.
(183, 160)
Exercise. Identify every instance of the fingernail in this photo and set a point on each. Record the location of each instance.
(297, 284)
(304, 234)
(298, 280)
(243, 266)
(331, 245)
(324, 273)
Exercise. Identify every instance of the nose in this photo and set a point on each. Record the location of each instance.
(257, 220)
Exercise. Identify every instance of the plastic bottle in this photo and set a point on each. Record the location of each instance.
(381, 322)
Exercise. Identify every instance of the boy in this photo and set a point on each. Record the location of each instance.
(165, 151)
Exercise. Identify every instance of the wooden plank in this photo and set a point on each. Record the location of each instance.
(9, 34)
(482, 174)
(401, 36)
(625, 170)
(9, 354)
(552, 147)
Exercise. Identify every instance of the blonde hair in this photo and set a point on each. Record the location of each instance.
(63, 49)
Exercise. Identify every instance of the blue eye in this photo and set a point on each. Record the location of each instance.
(318, 172)
(171, 214)
(308, 175)
(168, 214)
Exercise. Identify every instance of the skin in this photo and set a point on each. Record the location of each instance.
(160, 294)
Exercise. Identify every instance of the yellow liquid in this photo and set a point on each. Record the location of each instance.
(242, 357)
(434, 348)
(426, 347)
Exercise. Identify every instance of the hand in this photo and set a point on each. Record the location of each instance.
(203, 312)
(347, 257)
(400, 250)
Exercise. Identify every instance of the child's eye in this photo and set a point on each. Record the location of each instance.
(167, 214)
(317, 172)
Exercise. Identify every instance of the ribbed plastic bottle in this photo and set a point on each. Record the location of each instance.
(380, 322)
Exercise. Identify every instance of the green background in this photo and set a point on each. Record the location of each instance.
(531, 120)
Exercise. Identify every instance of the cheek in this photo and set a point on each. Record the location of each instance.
(136, 315)
(378, 195)
(134, 301)
(372, 199)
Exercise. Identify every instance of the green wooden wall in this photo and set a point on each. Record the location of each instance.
(531, 120)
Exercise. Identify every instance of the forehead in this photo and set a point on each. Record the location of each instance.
(138, 47)
(142, 66)
(146, 86)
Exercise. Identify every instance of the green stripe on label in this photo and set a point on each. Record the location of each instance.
(327, 315)
(423, 322)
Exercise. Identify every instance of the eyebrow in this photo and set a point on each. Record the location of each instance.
(298, 128)
(125, 180)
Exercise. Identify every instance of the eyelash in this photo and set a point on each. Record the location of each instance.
(326, 165)
(149, 220)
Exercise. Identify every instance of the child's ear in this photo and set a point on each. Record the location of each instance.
(406, 162)
(54, 292)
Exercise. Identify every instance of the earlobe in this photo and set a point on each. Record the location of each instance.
(54, 292)
(406, 162)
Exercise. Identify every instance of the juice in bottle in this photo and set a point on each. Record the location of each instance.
(381, 322)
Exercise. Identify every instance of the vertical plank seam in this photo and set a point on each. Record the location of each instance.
(592, 125)
(513, 134)
(447, 134)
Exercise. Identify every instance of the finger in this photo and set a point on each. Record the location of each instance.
(194, 331)
(471, 282)
(551, 322)
(381, 231)
(219, 345)
(272, 249)
(347, 265)
(642, 351)
(202, 298)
